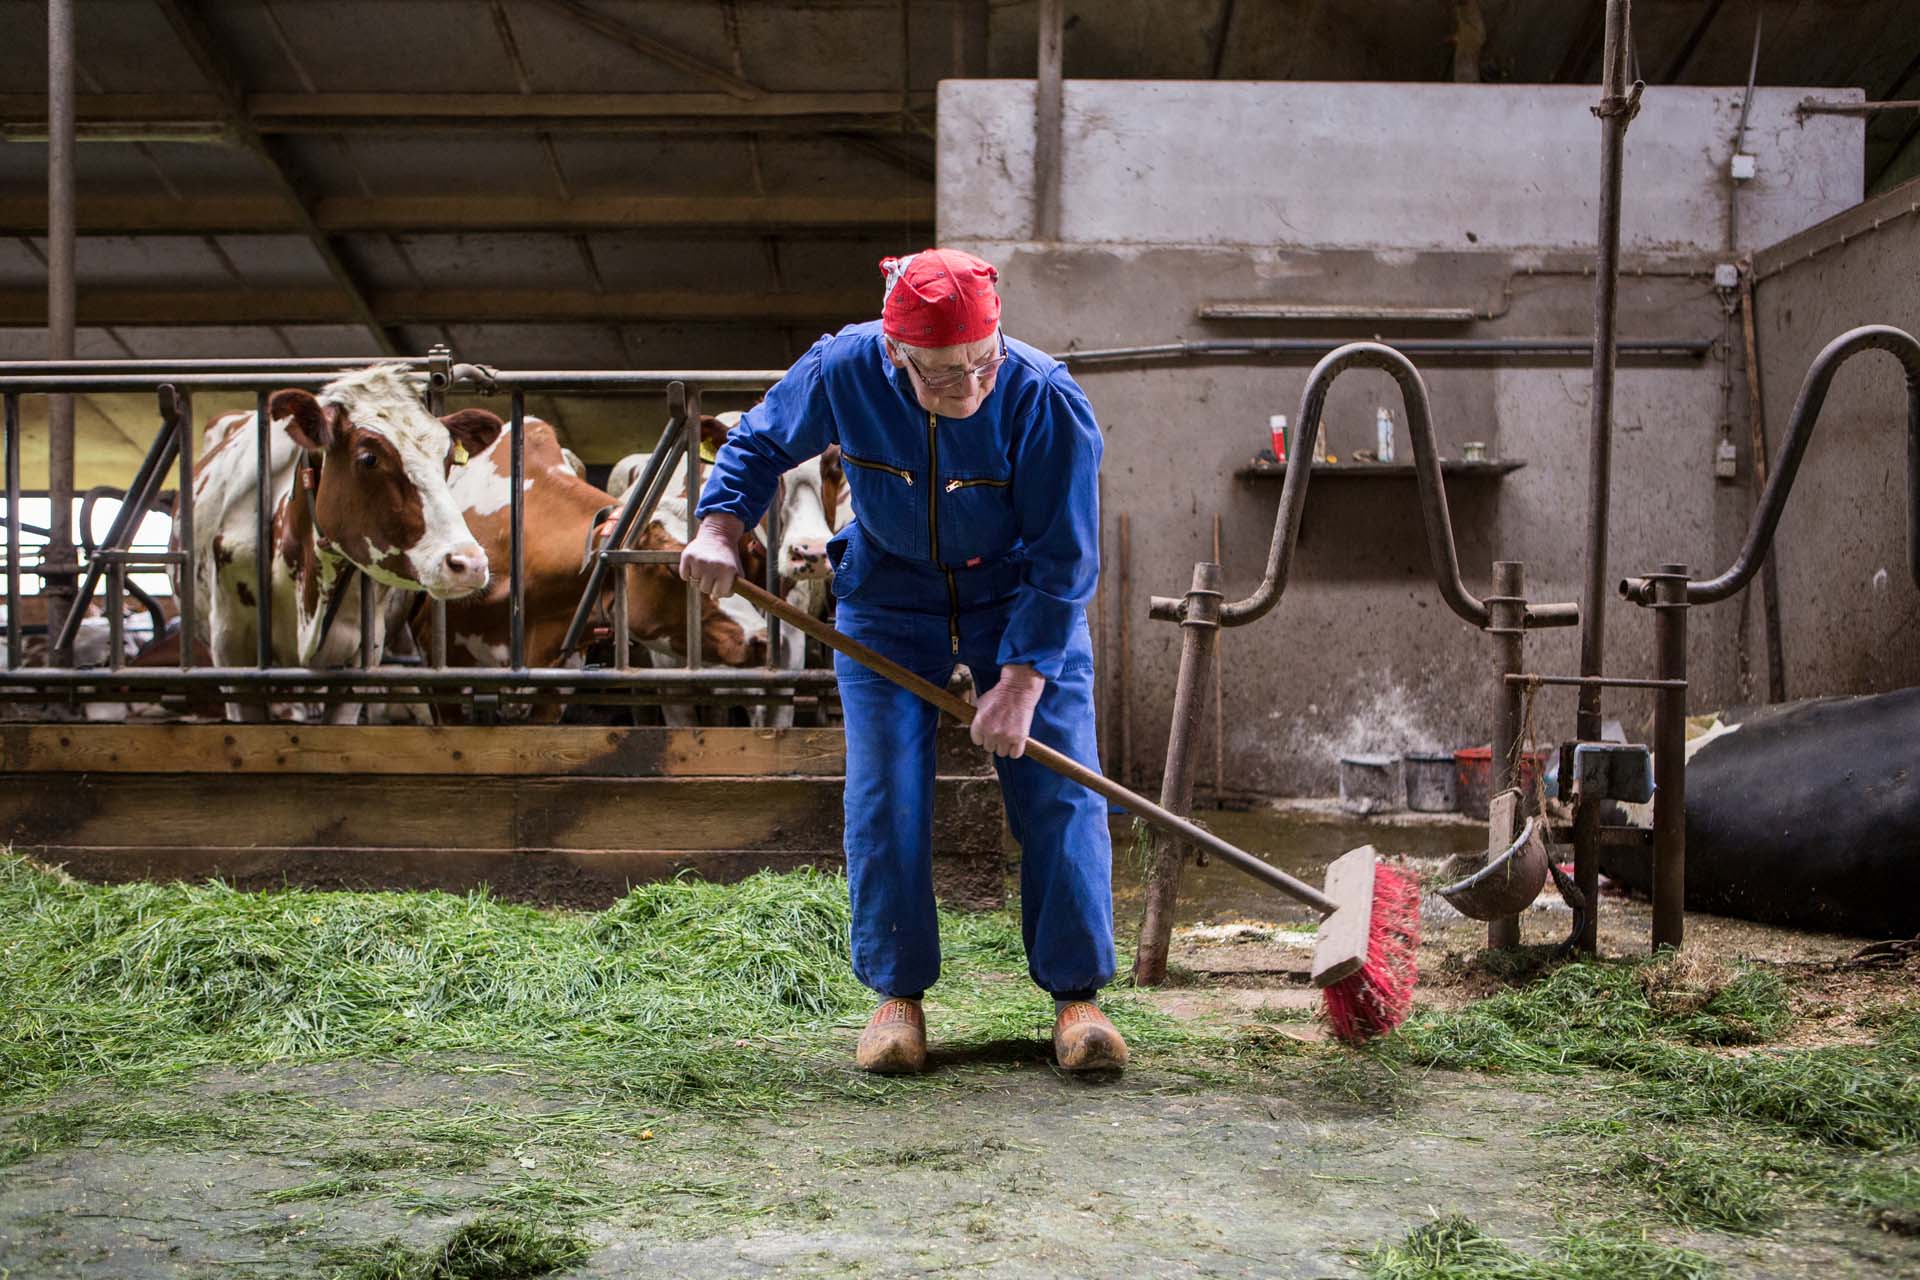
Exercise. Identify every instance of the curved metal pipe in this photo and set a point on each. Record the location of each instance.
(1445, 559)
(1806, 412)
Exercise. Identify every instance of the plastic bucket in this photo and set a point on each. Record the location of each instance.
(1430, 782)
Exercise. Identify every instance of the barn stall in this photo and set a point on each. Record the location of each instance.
(1217, 216)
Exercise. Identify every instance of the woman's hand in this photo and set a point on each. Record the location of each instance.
(712, 560)
(1005, 713)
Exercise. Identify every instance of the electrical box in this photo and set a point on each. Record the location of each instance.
(1726, 461)
(1613, 771)
(1726, 276)
(1743, 168)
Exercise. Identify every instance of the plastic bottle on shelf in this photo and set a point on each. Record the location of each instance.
(1383, 433)
(1277, 426)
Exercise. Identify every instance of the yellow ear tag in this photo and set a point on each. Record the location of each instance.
(459, 453)
(708, 451)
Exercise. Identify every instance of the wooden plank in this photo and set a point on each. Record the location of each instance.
(42, 810)
(1340, 947)
(556, 112)
(451, 750)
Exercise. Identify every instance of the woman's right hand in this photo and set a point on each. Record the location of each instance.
(712, 560)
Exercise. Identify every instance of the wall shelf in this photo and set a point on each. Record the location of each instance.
(1492, 469)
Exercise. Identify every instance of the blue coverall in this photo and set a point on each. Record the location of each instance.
(975, 540)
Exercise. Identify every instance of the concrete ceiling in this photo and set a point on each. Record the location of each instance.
(590, 184)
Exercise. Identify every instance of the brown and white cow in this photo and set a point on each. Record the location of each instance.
(561, 513)
(358, 480)
(813, 501)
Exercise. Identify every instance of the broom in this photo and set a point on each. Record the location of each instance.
(1363, 958)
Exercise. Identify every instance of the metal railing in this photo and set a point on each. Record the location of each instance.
(174, 385)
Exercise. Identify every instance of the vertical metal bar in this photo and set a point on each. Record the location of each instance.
(1124, 690)
(183, 520)
(1757, 444)
(263, 530)
(775, 533)
(1614, 111)
(517, 646)
(1670, 758)
(116, 605)
(693, 522)
(1199, 630)
(366, 619)
(1219, 694)
(1047, 117)
(622, 628)
(12, 414)
(1507, 624)
(57, 563)
(440, 365)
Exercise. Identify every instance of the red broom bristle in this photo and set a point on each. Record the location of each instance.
(1378, 998)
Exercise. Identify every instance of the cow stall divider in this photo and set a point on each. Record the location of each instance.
(572, 813)
(1505, 615)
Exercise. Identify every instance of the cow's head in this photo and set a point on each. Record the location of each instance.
(732, 632)
(806, 522)
(380, 496)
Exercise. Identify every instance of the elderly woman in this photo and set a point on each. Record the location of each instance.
(973, 461)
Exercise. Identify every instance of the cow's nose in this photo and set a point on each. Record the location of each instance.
(808, 553)
(467, 561)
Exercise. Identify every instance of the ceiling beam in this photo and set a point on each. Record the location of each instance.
(219, 68)
(294, 306)
(654, 49)
(163, 116)
(335, 215)
(1583, 50)
(1683, 56)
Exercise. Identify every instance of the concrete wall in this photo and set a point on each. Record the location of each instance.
(1849, 610)
(1179, 194)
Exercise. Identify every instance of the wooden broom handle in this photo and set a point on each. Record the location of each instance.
(1064, 765)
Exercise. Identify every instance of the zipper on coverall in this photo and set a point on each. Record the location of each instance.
(933, 530)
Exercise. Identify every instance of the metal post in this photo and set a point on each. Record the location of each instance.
(366, 619)
(1507, 624)
(263, 531)
(1199, 630)
(1670, 758)
(183, 520)
(57, 564)
(517, 504)
(693, 523)
(439, 377)
(1615, 110)
(116, 605)
(14, 636)
(1047, 114)
(622, 627)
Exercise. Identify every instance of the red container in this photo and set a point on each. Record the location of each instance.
(1277, 428)
(1473, 778)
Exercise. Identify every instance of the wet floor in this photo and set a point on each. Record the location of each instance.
(1300, 840)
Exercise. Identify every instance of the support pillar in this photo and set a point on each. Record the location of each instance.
(1507, 624)
(1670, 757)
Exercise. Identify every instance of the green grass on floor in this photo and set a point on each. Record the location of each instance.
(1453, 1248)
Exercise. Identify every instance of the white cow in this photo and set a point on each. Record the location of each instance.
(358, 480)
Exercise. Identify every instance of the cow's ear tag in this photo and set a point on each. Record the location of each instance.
(459, 454)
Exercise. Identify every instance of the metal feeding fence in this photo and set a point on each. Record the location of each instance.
(483, 690)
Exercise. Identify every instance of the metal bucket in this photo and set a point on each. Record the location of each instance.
(1430, 782)
(1370, 784)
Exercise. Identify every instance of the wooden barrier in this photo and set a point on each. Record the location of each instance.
(570, 814)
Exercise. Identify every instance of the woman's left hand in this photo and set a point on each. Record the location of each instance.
(1005, 712)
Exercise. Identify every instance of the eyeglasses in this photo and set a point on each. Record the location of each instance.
(941, 381)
